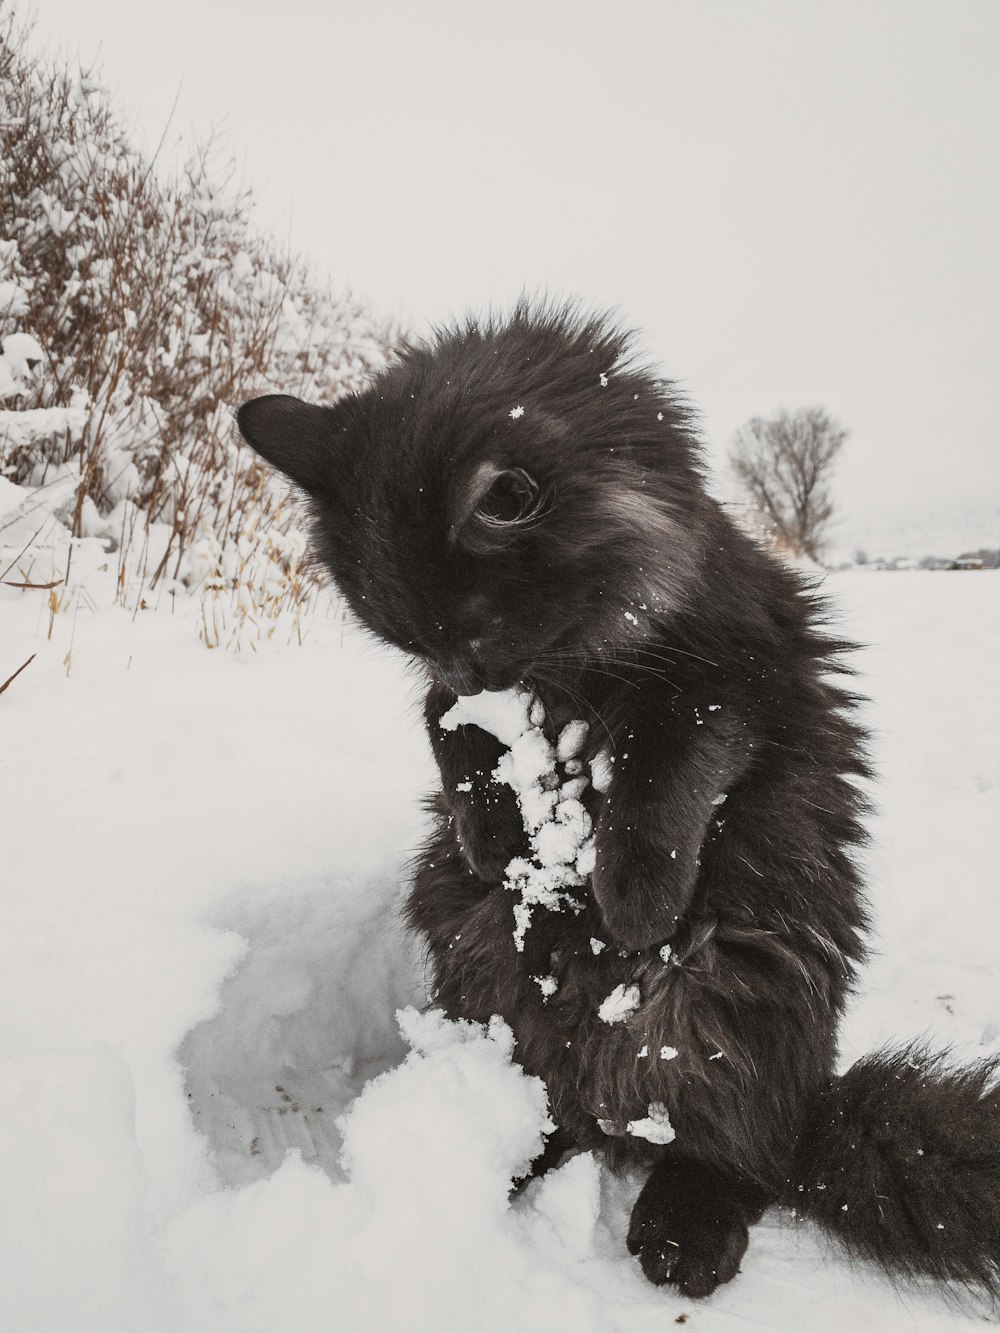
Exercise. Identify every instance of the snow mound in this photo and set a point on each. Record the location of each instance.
(306, 1020)
(422, 1234)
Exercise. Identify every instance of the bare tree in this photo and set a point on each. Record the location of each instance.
(786, 464)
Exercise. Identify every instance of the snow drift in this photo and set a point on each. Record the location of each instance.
(202, 858)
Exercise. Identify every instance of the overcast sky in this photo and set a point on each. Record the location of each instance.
(797, 201)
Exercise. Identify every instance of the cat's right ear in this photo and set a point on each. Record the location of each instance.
(296, 437)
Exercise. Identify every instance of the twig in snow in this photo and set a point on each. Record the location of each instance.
(54, 584)
(10, 679)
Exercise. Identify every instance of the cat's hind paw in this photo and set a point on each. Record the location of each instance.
(695, 1254)
(689, 1226)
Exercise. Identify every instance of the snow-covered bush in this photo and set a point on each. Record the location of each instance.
(135, 312)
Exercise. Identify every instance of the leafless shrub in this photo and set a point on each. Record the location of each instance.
(159, 307)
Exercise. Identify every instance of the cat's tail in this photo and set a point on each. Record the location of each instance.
(900, 1160)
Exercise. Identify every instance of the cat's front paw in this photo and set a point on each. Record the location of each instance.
(641, 899)
(489, 838)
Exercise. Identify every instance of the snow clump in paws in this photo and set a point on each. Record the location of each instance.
(560, 830)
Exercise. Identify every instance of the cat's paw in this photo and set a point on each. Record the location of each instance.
(686, 1245)
(640, 899)
(489, 841)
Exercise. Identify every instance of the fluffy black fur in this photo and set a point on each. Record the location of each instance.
(519, 501)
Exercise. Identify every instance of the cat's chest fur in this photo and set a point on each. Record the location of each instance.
(589, 1017)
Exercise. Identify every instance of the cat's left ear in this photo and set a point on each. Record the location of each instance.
(297, 437)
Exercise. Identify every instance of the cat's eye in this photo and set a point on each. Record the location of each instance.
(511, 498)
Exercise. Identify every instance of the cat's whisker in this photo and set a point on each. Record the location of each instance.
(579, 701)
(657, 672)
(592, 665)
(588, 664)
(670, 656)
(672, 648)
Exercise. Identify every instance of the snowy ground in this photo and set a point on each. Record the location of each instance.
(200, 970)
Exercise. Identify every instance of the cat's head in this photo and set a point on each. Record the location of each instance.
(509, 498)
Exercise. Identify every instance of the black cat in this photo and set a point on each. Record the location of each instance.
(518, 502)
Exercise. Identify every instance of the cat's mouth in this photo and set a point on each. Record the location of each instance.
(463, 678)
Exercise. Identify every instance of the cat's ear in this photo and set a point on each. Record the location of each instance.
(297, 437)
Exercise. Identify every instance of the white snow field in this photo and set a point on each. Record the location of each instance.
(209, 1119)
